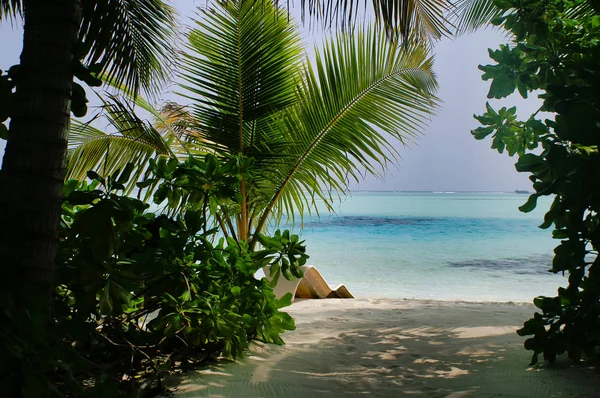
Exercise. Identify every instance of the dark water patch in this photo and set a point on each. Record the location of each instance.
(424, 227)
(363, 221)
(521, 266)
(353, 221)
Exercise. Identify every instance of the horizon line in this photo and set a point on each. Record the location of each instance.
(434, 191)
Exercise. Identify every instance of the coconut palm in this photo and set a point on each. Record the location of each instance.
(129, 41)
(307, 125)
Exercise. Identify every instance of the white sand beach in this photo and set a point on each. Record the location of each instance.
(395, 348)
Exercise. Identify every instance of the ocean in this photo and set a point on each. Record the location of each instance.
(434, 245)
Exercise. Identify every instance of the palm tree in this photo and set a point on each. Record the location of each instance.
(307, 126)
(129, 42)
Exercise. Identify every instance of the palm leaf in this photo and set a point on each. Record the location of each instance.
(171, 120)
(363, 94)
(583, 8)
(135, 141)
(11, 9)
(471, 15)
(407, 19)
(240, 67)
(130, 40)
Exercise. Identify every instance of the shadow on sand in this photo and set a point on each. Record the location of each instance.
(420, 349)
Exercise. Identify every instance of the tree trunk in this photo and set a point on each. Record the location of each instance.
(31, 179)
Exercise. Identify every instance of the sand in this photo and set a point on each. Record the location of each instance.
(395, 348)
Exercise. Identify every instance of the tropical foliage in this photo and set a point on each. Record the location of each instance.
(123, 42)
(470, 15)
(127, 42)
(408, 20)
(556, 50)
(135, 293)
(140, 295)
(296, 126)
(137, 141)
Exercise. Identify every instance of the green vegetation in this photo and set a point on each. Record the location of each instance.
(140, 295)
(130, 43)
(556, 51)
(292, 125)
(127, 42)
(101, 297)
(113, 297)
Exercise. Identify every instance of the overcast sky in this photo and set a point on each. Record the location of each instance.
(447, 157)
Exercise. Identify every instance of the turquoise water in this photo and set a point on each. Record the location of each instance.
(447, 246)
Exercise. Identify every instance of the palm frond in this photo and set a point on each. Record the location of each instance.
(170, 120)
(134, 141)
(11, 9)
(363, 95)
(407, 19)
(241, 65)
(470, 15)
(588, 7)
(177, 120)
(131, 40)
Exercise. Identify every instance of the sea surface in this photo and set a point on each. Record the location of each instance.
(434, 245)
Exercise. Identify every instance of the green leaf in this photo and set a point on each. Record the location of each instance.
(530, 162)
(161, 194)
(193, 221)
(135, 142)
(285, 301)
(126, 174)
(522, 89)
(537, 126)
(530, 204)
(85, 75)
(78, 101)
(546, 304)
(146, 183)
(92, 175)
(3, 132)
(106, 301)
(174, 197)
(132, 43)
(501, 87)
(481, 132)
(186, 296)
(560, 234)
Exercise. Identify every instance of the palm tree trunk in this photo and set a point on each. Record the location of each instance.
(31, 179)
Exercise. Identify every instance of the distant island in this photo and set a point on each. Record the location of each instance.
(521, 191)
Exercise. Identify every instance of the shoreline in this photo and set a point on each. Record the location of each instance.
(422, 300)
(394, 348)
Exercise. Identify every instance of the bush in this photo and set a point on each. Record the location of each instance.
(556, 51)
(141, 294)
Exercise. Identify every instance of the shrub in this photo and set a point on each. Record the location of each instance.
(556, 51)
(141, 294)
